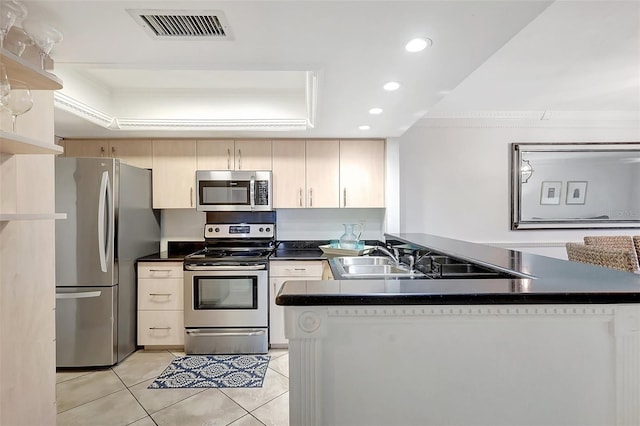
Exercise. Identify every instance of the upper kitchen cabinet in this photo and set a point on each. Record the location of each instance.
(323, 173)
(254, 154)
(289, 186)
(228, 154)
(306, 173)
(215, 154)
(174, 173)
(135, 152)
(362, 173)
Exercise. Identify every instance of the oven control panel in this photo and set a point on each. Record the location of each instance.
(244, 230)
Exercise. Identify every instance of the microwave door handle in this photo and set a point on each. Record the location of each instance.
(252, 192)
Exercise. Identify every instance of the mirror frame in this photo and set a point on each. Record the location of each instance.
(516, 185)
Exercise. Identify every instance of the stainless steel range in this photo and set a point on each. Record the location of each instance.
(226, 286)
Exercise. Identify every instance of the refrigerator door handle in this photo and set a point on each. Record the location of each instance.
(80, 295)
(104, 247)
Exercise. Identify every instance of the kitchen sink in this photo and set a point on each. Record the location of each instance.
(372, 267)
(364, 260)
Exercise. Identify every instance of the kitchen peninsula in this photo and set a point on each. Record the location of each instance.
(558, 345)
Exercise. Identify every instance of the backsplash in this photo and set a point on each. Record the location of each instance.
(292, 224)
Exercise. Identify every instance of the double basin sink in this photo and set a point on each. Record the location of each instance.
(433, 267)
(373, 267)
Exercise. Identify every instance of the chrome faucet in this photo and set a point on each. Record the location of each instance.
(395, 256)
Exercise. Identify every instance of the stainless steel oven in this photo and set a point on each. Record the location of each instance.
(226, 290)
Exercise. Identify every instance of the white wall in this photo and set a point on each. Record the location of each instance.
(292, 224)
(454, 178)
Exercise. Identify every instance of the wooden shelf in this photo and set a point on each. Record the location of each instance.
(20, 69)
(5, 217)
(11, 143)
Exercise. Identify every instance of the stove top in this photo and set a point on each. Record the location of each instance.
(235, 243)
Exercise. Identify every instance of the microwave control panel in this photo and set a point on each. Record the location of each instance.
(262, 193)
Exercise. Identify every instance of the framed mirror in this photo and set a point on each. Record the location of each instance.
(563, 186)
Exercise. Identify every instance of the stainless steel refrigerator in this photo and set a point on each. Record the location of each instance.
(110, 223)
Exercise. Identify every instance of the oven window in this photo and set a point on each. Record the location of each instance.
(220, 292)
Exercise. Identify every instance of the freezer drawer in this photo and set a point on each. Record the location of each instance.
(85, 326)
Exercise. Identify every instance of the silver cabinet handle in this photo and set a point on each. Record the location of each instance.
(102, 151)
(79, 295)
(228, 159)
(159, 328)
(160, 294)
(113, 151)
(223, 333)
(191, 196)
(345, 198)
(300, 202)
(310, 197)
(239, 159)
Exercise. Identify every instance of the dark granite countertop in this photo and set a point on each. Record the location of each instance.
(176, 251)
(550, 281)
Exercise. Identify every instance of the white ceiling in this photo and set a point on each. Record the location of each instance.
(317, 67)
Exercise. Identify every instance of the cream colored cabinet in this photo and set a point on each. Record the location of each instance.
(252, 154)
(279, 272)
(27, 252)
(289, 181)
(135, 152)
(160, 304)
(221, 154)
(215, 154)
(323, 173)
(174, 173)
(362, 173)
(306, 173)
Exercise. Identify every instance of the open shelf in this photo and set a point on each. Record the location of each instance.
(5, 217)
(11, 143)
(20, 69)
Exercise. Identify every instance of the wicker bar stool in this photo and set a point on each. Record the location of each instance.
(624, 242)
(608, 257)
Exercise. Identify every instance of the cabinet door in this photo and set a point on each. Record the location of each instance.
(215, 154)
(323, 173)
(253, 154)
(86, 148)
(174, 173)
(289, 173)
(362, 167)
(134, 152)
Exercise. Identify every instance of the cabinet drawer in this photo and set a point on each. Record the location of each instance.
(297, 268)
(160, 294)
(160, 328)
(160, 270)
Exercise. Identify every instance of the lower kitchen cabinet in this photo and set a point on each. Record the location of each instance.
(279, 272)
(160, 304)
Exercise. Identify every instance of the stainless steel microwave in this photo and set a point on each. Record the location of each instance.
(233, 190)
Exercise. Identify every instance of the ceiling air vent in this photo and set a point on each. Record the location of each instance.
(183, 24)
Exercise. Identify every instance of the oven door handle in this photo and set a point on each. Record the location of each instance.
(225, 333)
(223, 267)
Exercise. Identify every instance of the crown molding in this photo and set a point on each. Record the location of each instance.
(513, 119)
(114, 123)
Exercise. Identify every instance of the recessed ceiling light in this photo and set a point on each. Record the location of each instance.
(364, 127)
(375, 111)
(392, 85)
(418, 44)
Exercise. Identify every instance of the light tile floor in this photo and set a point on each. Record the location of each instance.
(119, 396)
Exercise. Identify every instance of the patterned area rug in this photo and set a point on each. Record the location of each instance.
(213, 371)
